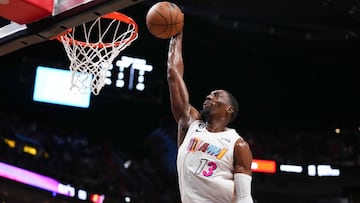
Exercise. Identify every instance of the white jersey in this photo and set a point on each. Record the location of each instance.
(205, 165)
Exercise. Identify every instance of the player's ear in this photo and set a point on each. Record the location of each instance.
(230, 109)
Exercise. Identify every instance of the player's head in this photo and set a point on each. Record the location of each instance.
(220, 103)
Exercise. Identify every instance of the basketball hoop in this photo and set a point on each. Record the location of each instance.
(92, 47)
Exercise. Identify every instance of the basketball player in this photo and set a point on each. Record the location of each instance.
(213, 161)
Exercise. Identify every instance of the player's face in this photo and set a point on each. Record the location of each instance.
(215, 103)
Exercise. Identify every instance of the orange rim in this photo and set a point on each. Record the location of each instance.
(113, 15)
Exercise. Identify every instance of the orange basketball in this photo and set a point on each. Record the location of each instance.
(164, 20)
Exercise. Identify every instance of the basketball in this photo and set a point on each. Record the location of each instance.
(164, 20)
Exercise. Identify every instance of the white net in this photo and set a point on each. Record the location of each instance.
(93, 46)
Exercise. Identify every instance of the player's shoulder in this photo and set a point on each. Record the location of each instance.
(239, 137)
(241, 140)
(241, 143)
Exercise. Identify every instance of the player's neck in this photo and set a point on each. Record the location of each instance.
(214, 128)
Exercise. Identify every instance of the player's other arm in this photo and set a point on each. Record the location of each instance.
(242, 171)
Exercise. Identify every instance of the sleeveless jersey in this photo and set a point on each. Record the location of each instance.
(205, 165)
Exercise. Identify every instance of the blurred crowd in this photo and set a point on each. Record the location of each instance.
(70, 156)
(308, 146)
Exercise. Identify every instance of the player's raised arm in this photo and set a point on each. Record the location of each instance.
(182, 111)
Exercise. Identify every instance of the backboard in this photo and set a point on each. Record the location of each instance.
(48, 19)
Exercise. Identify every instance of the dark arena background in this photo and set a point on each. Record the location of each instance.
(292, 65)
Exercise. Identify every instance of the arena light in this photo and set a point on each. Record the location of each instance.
(132, 80)
(291, 168)
(82, 194)
(30, 150)
(66, 189)
(327, 170)
(10, 143)
(322, 170)
(96, 198)
(263, 166)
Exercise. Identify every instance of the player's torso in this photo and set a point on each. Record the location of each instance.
(205, 164)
